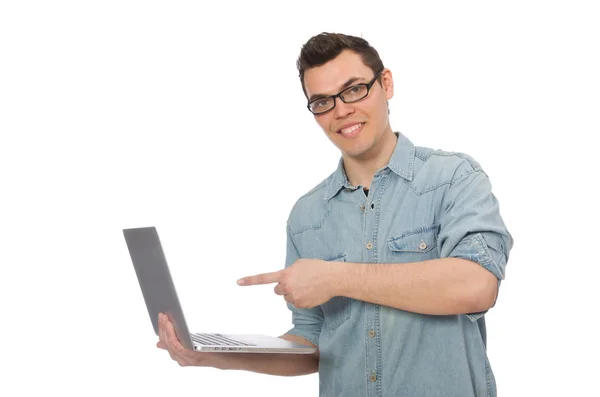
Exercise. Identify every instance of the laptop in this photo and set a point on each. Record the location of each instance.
(160, 296)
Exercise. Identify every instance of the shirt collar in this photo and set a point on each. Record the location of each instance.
(401, 163)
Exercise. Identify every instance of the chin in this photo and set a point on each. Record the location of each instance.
(356, 147)
(356, 151)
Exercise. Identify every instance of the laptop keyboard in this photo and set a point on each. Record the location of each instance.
(217, 340)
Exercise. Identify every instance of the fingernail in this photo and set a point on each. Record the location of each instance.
(240, 281)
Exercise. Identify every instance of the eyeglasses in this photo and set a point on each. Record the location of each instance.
(348, 95)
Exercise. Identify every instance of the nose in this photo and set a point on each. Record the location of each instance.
(342, 109)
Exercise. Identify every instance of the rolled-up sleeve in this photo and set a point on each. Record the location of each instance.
(307, 322)
(471, 225)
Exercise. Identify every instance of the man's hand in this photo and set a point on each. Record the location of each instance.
(305, 284)
(168, 341)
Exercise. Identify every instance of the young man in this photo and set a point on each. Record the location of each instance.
(392, 261)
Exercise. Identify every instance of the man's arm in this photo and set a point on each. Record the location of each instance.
(438, 286)
(264, 363)
(474, 245)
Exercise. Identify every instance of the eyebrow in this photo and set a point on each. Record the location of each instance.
(347, 84)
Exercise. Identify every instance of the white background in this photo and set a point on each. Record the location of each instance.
(190, 117)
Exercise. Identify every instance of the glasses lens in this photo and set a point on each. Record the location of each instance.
(355, 93)
(321, 105)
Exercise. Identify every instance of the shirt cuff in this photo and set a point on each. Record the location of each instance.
(486, 250)
(309, 335)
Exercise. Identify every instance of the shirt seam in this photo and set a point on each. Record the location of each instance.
(304, 228)
(463, 156)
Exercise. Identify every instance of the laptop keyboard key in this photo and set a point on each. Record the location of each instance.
(217, 340)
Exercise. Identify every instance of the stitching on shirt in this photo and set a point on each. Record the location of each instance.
(366, 349)
(487, 377)
(428, 189)
(381, 192)
(464, 175)
(423, 153)
(319, 225)
(294, 242)
(378, 366)
(437, 186)
(397, 167)
(485, 256)
(411, 164)
(419, 230)
(317, 188)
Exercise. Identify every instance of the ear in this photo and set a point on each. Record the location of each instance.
(388, 83)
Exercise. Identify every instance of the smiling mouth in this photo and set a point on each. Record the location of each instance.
(351, 131)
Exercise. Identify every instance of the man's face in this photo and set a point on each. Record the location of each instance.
(355, 128)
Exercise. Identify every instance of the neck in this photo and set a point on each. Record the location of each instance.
(360, 170)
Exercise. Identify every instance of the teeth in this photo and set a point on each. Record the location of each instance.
(350, 130)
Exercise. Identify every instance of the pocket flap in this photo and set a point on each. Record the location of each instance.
(423, 239)
(335, 258)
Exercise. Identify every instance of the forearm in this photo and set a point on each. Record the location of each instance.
(268, 363)
(438, 287)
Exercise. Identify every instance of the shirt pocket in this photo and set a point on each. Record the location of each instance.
(416, 244)
(337, 310)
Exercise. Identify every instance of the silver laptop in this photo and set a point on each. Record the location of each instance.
(160, 295)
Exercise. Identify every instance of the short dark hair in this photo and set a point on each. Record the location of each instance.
(324, 47)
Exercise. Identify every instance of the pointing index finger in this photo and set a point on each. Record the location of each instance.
(265, 278)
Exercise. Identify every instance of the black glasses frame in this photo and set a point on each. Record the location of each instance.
(339, 94)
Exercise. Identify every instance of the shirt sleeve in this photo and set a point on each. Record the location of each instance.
(307, 322)
(471, 225)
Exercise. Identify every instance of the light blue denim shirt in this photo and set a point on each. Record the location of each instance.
(424, 204)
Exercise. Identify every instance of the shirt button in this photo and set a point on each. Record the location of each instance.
(362, 207)
(369, 245)
(423, 245)
(372, 333)
(373, 376)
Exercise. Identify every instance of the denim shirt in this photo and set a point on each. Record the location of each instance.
(424, 204)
